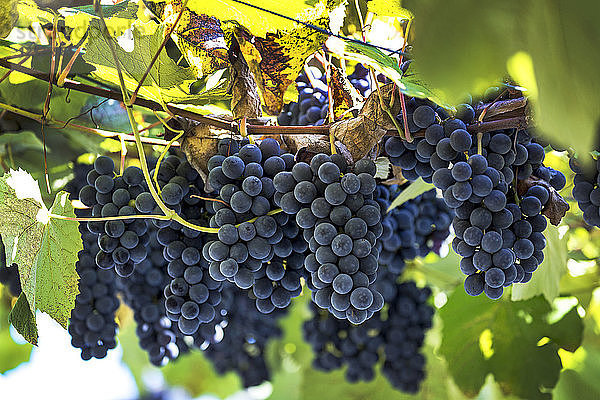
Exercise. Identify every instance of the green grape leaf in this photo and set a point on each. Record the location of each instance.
(45, 249)
(23, 320)
(147, 38)
(574, 385)
(549, 47)
(568, 331)
(580, 379)
(13, 354)
(413, 190)
(442, 272)
(482, 336)
(166, 82)
(410, 85)
(546, 279)
(22, 140)
(257, 21)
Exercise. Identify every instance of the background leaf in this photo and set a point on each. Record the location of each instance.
(413, 190)
(164, 72)
(546, 279)
(560, 38)
(13, 354)
(23, 320)
(482, 336)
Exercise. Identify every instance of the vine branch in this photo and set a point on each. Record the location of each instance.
(100, 132)
(499, 111)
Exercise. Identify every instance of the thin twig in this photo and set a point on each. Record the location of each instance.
(375, 82)
(46, 108)
(209, 199)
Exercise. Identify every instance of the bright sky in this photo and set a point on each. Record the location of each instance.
(56, 371)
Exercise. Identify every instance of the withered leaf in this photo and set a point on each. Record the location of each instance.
(361, 133)
(556, 207)
(199, 145)
(245, 101)
(344, 94)
(277, 59)
(199, 36)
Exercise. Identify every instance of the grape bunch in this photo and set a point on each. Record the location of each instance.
(337, 342)
(79, 180)
(122, 243)
(412, 229)
(190, 293)
(92, 324)
(499, 231)
(312, 106)
(586, 190)
(500, 241)
(143, 293)
(409, 317)
(249, 234)
(397, 337)
(245, 335)
(341, 222)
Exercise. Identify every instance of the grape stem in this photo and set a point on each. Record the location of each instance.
(272, 212)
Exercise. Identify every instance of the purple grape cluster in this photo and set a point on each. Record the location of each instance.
(341, 223)
(396, 336)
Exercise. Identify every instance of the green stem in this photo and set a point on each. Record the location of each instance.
(272, 212)
(103, 219)
(162, 155)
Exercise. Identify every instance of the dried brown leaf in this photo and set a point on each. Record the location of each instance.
(555, 208)
(362, 133)
(245, 100)
(344, 94)
(305, 147)
(199, 145)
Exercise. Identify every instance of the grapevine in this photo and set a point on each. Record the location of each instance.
(284, 197)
